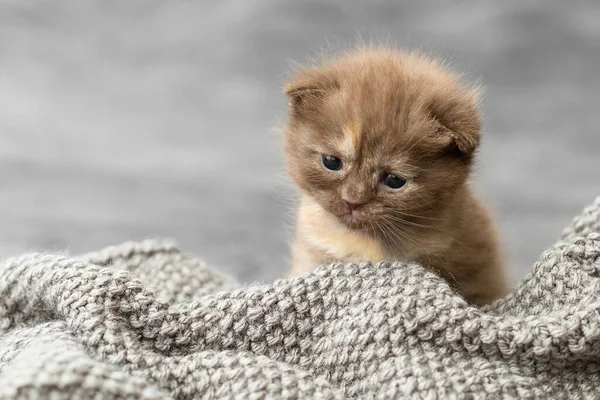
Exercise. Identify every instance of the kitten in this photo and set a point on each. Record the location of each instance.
(381, 146)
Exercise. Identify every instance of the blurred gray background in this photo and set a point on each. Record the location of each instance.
(125, 120)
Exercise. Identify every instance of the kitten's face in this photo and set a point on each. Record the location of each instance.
(379, 138)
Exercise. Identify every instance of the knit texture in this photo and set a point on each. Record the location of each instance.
(146, 321)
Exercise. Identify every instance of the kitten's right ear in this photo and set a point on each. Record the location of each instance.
(458, 121)
(307, 89)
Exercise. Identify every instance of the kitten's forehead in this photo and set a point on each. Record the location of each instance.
(373, 116)
(349, 143)
(372, 150)
(384, 140)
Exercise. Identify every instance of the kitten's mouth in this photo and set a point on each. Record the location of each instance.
(350, 219)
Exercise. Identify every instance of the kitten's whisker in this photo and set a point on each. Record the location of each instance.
(388, 236)
(409, 233)
(413, 215)
(397, 211)
(402, 217)
(402, 235)
(404, 221)
(395, 239)
(409, 236)
(405, 240)
(384, 233)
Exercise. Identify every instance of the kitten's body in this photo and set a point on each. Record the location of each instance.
(465, 253)
(379, 112)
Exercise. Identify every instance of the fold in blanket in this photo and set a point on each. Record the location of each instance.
(144, 320)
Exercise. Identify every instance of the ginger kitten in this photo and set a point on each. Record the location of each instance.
(381, 146)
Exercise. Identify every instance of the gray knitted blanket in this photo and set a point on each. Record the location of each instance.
(146, 321)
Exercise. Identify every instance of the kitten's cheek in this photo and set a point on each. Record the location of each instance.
(331, 206)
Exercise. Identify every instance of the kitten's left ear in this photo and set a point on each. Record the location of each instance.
(307, 89)
(459, 121)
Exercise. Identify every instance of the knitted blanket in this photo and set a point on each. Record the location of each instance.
(147, 321)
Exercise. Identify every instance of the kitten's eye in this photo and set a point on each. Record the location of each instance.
(332, 163)
(393, 181)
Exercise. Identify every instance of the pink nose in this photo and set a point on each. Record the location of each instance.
(352, 206)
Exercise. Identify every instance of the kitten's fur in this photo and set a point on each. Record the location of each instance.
(382, 111)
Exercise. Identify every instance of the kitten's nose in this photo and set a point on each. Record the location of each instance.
(352, 206)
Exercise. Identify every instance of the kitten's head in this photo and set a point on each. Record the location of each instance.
(377, 136)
